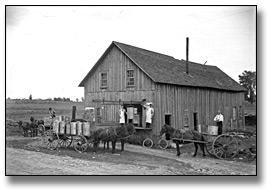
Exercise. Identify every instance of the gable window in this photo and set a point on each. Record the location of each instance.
(130, 77)
(104, 79)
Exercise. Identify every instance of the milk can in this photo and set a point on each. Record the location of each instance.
(68, 128)
(61, 127)
(79, 128)
(56, 126)
(86, 129)
(73, 128)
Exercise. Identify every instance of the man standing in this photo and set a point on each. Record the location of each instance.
(219, 121)
(149, 114)
(122, 112)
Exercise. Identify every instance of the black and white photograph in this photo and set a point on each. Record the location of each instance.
(131, 90)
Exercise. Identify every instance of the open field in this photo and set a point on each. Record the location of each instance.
(24, 109)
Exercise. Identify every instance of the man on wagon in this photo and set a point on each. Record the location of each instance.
(52, 113)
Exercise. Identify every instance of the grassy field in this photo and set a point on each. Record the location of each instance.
(24, 109)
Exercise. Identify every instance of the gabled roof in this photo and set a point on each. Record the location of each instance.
(168, 70)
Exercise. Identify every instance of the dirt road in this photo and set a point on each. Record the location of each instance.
(32, 163)
(135, 160)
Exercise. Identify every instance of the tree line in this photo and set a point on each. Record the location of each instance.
(248, 80)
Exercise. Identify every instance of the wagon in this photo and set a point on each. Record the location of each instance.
(65, 133)
(222, 146)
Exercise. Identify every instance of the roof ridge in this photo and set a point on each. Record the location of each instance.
(143, 49)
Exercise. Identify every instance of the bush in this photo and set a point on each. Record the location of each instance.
(250, 120)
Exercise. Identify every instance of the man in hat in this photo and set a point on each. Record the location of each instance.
(149, 114)
(52, 113)
(219, 121)
(122, 113)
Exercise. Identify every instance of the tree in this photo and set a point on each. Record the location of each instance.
(30, 97)
(248, 80)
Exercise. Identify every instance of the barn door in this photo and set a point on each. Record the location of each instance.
(195, 118)
(167, 119)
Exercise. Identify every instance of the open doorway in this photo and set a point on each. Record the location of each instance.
(167, 119)
(195, 120)
(134, 114)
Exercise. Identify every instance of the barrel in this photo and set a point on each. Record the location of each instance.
(86, 129)
(79, 128)
(56, 126)
(68, 128)
(73, 128)
(213, 130)
(62, 127)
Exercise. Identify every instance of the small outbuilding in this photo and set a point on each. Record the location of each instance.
(184, 94)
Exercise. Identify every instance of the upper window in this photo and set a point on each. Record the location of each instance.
(130, 77)
(104, 79)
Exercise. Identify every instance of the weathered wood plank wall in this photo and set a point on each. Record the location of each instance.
(116, 64)
(179, 101)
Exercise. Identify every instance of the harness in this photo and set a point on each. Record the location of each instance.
(115, 134)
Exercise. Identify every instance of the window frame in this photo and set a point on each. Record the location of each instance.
(128, 78)
(101, 83)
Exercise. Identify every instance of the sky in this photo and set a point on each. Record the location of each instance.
(50, 49)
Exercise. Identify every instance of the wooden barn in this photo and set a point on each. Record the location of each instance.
(183, 95)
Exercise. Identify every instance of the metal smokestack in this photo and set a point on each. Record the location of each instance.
(187, 55)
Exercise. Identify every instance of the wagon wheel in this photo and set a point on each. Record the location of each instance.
(147, 143)
(66, 141)
(225, 146)
(209, 148)
(51, 139)
(80, 143)
(41, 129)
(163, 144)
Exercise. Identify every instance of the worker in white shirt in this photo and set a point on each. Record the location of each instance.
(122, 112)
(149, 114)
(219, 121)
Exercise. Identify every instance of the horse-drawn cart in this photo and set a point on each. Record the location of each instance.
(81, 135)
(222, 146)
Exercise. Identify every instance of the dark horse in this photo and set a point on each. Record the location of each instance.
(175, 134)
(112, 134)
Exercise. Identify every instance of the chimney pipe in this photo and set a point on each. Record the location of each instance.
(187, 55)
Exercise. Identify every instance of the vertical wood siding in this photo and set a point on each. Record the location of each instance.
(178, 101)
(116, 64)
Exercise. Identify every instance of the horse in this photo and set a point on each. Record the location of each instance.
(106, 143)
(34, 125)
(26, 127)
(175, 134)
(112, 134)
